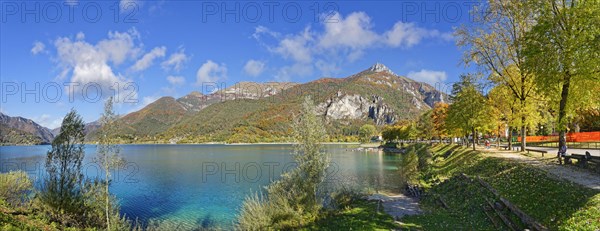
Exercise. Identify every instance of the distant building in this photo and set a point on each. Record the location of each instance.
(376, 139)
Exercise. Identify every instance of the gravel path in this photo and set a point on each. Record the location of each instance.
(551, 166)
(397, 205)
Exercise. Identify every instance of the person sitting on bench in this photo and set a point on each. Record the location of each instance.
(562, 152)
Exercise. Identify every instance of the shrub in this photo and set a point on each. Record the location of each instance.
(15, 187)
(409, 167)
(295, 199)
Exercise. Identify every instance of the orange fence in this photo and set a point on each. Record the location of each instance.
(571, 137)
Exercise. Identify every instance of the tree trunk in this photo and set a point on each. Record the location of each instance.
(562, 112)
(476, 138)
(523, 134)
(509, 138)
(498, 137)
(107, 175)
(473, 131)
(107, 208)
(523, 125)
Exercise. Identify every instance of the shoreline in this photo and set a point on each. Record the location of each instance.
(208, 143)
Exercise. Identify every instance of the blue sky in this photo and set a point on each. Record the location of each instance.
(61, 55)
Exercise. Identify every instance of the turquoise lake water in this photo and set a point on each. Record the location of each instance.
(204, 185)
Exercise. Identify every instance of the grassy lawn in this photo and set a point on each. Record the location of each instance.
(557, 204)
(359, 215)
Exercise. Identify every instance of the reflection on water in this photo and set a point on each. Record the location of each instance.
(191, 186)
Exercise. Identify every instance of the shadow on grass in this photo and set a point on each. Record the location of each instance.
(557, 204)
(360, 215)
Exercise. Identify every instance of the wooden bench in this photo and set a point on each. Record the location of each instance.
(506, 147)
(583, 160)
(513, 147)
(536, 150)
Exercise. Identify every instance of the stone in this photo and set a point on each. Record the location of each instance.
(351, 107)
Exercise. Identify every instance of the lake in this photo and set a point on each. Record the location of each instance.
(205, 185)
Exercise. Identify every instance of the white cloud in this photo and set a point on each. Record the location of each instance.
(47, 121)
(89, 65)
(296, 47)
(326, 68)
(210, 72)
(120, 46)
(259, 30)
(428, 76)
(147, 60)
(353, 32)
(254, 67)
(38, 47)
(80, 36)
(129, 5)
(406, 35)
(286, 73)
(176, 80)
(342, 39)
(175, 61)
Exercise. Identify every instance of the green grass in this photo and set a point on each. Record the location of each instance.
(557, 204)
(22, 219)
(359, 215)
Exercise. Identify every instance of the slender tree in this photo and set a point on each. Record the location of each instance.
(438, 117)
(296, 198)
(108, 153)
(495, 42)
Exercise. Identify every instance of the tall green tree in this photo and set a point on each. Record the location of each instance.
(401, 130)
(108, 154)
(425, 126)
(562, 50)
(469, 111)
(62, 189)
(366, 131)
(495, 42)
(438, 117)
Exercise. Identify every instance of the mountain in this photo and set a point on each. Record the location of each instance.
(88, 129)
(253, 90)
(154, 118)
(376, 96)
(262, 112)
(19, 130)
(160, 115)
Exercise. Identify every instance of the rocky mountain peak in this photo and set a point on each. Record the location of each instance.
(195, 94)
(379, 67)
